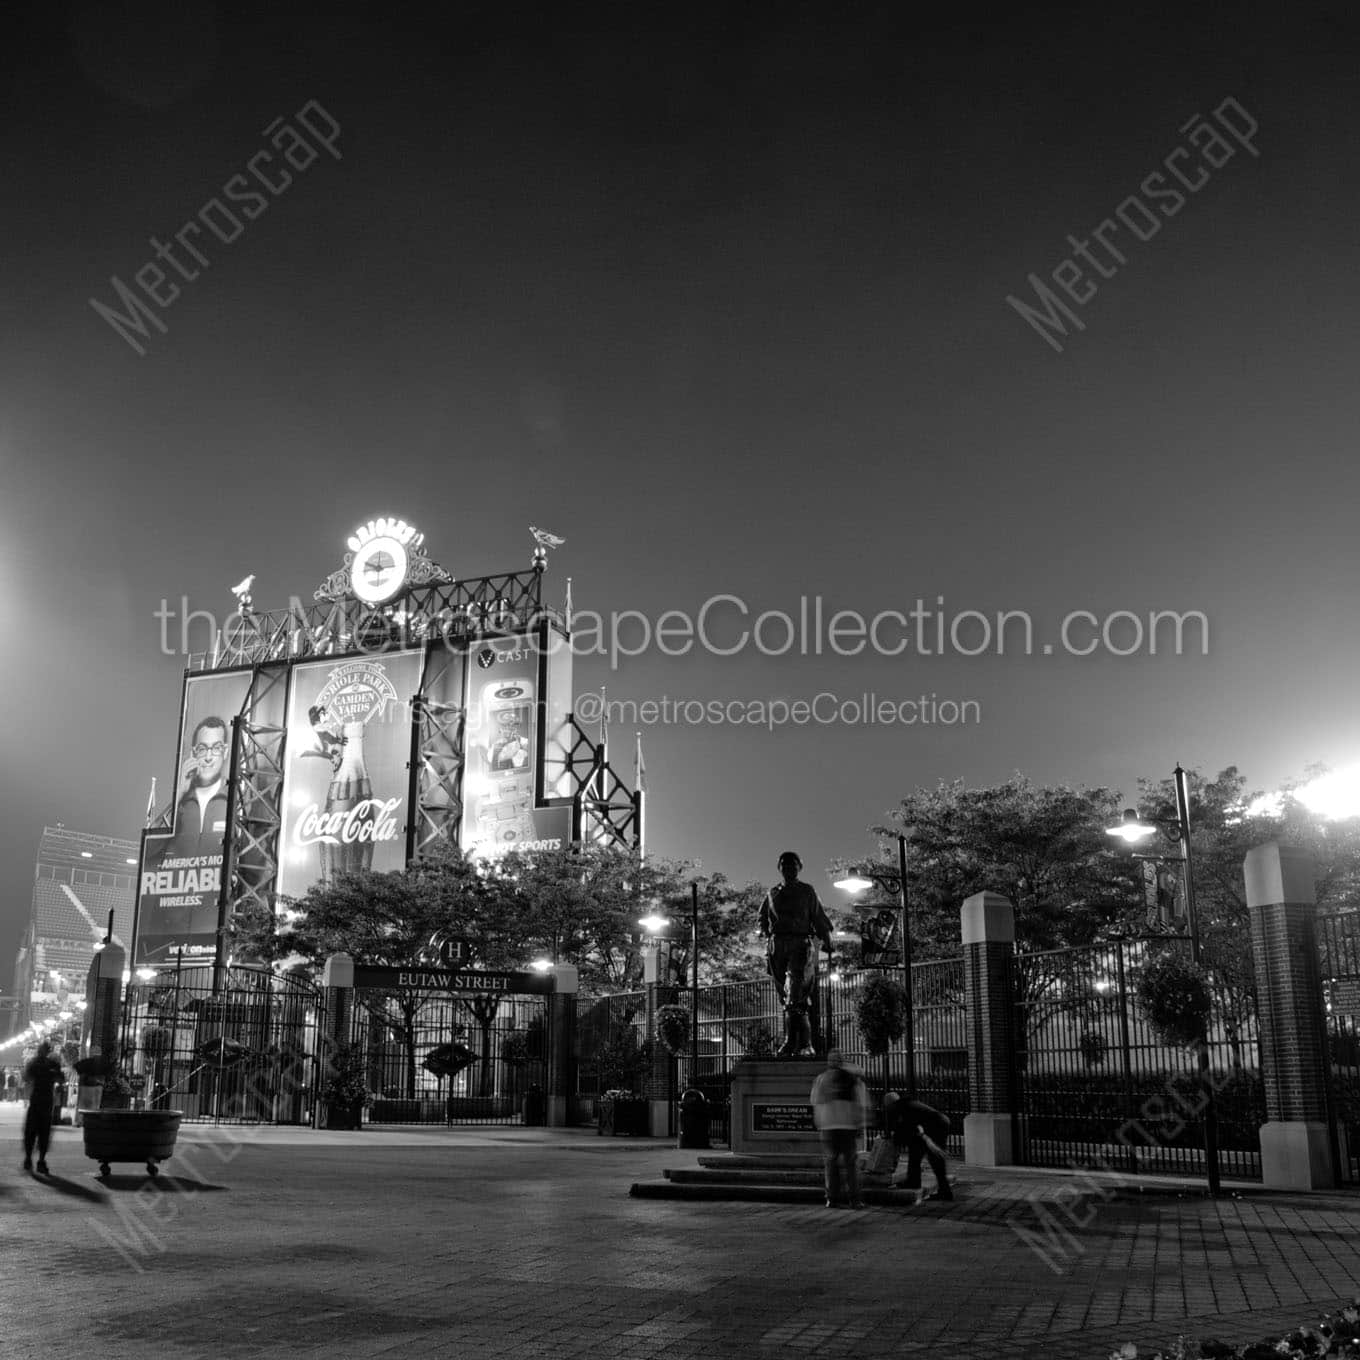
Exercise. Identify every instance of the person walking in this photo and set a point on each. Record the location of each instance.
(42, 1075)
(921, 1132)
(838, 1110)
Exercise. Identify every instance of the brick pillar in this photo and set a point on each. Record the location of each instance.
(1295, 1141)
(987, 921)
(561, 1045)
(656, 1080)
(338, 980)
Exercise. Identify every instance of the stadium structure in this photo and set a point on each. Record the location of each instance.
(78, 880)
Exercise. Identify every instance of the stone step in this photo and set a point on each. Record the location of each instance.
(736, 1162)
(688, 1175)
(765, 1193)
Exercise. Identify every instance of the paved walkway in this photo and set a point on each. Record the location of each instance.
(525, 1243)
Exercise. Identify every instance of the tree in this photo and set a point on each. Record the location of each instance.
(376, 918)
(1043, 847)
(1046, 849)
(580, 905)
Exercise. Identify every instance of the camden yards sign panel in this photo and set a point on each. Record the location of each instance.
(455, 981)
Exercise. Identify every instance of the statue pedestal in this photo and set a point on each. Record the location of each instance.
(771, 1111)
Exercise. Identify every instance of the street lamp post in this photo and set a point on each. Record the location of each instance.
(1132, 830)
(895, 883)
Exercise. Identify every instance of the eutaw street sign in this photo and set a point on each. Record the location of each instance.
(455, 981)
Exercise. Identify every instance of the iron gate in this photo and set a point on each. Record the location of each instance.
(244, 1053)
(1098, 1087)
(435, 1059)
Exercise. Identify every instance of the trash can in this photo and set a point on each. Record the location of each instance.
(535, 1107)
(693, 1119)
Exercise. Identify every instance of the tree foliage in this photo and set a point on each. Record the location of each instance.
(581, 905)
(1043, 847)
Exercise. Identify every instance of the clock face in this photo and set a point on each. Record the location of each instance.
(378, 571)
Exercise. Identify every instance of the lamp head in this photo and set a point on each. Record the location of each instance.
(854, 883)
(1131, 829)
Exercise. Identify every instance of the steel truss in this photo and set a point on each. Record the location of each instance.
(605, 811)
(452, 611)
(258, 801)
(441, 747)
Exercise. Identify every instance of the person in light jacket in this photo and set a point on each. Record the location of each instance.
(839, 1104)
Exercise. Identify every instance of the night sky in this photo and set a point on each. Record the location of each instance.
(720, 297)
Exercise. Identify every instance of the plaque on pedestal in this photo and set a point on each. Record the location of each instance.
(771, 1109)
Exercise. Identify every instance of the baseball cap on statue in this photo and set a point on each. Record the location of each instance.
(790, 855)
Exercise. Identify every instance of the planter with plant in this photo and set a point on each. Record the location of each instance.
(344, 1093)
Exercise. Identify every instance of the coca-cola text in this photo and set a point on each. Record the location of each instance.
(372, 819)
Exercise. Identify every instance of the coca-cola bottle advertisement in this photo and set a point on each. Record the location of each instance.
(346, 779)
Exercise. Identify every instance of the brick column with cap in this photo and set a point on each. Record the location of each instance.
(987, 920)
(1296, 1150)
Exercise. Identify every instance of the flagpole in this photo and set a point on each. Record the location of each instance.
(639, 784)
(151, 801)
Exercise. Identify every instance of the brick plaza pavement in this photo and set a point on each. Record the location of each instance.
(525, 1243)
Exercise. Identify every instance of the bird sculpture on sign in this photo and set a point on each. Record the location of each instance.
(544, 539)
(242, 592)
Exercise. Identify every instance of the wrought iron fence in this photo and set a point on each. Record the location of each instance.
(1097, 1086)
(746, 1020)
(611, 1048)
(1339, 964)
(245, 1053)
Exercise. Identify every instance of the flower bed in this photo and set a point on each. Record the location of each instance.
(1336, 1336)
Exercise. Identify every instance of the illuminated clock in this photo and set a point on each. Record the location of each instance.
(378, 570)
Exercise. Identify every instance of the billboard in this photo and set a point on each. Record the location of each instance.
(503, 703)
(347, 768)
(181, 871)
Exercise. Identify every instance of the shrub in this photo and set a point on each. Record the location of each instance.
(345, 1082)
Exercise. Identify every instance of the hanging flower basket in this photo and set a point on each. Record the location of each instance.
(673, 1025)
(880, 1013)
(1174, 994)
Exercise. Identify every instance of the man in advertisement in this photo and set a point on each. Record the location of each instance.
(182, 877)
(201, 814)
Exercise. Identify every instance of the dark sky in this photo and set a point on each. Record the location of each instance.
(718, 295)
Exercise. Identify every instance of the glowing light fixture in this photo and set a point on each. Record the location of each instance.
(1131, 828)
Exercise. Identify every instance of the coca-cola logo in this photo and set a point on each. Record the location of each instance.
(373, 819)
